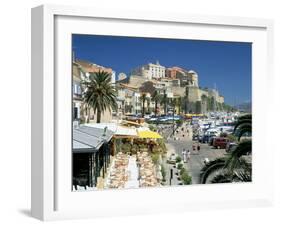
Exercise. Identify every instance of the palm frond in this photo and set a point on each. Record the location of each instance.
(210, 168)
(243, 176)
(99, 92)
(222, 178)
(243, 119)
(234, 161)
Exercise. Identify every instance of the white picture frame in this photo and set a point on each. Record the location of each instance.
(52, 197)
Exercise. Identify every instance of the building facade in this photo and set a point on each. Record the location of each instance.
(150, 71)
(77, 101)
(121, 76)
(177, 82)
(172, 72)
(81, 70)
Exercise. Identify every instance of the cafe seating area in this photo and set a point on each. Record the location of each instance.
(132, 171)
(118, 175)
(147, 171)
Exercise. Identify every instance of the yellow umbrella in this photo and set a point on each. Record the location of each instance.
(148, 134)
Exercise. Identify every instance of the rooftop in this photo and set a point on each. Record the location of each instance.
(89, 139)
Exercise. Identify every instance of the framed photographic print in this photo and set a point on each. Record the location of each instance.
(137, 112)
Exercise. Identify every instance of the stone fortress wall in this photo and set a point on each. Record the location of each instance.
(187, 79)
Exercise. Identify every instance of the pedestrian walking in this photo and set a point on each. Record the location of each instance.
(187, 156)
(184, 155)
(193, 146)
(198, 147)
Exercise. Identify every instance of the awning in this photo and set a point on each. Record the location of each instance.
(117, 130)
(100, 133)
(124, 122)
(89, 140)
(79, 147)
(149, 134)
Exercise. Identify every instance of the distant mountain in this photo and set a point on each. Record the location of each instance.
(246, 107)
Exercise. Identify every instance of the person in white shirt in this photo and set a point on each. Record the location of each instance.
(184, 155)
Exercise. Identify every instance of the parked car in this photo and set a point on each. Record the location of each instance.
(195, 137)
(147, 116)
(172, 159)
(220, 142)
(211, 140)
(200, 138)
(206, 138)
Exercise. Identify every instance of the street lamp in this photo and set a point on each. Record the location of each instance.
(171, 175)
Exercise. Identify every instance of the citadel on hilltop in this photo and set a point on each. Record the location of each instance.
(175, 82)
(159, 85)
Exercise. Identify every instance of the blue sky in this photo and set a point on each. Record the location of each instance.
(224, 64)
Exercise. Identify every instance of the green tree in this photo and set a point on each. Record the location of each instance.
(99, 93)
(186, 178)
(186, 98)
(165, 102)
(179, 104)
(148, 101)
(143, 99)
(156, 97)
(178, 159)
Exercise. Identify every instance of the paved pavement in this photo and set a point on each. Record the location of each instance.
(196, 162)
(170, 169)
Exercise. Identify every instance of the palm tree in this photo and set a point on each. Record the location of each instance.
(243, 173)
(156, 97)
(235, 167)
(148, 101)
(211, 168)
(176, 103)
(231, 168)
(234, 160)
(164, 101)
(186, 100)
(99, 94)
(179, 103)
(243, 126)
(143, 99)
(221, 178)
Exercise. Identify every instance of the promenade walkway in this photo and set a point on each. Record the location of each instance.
(133, 173)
